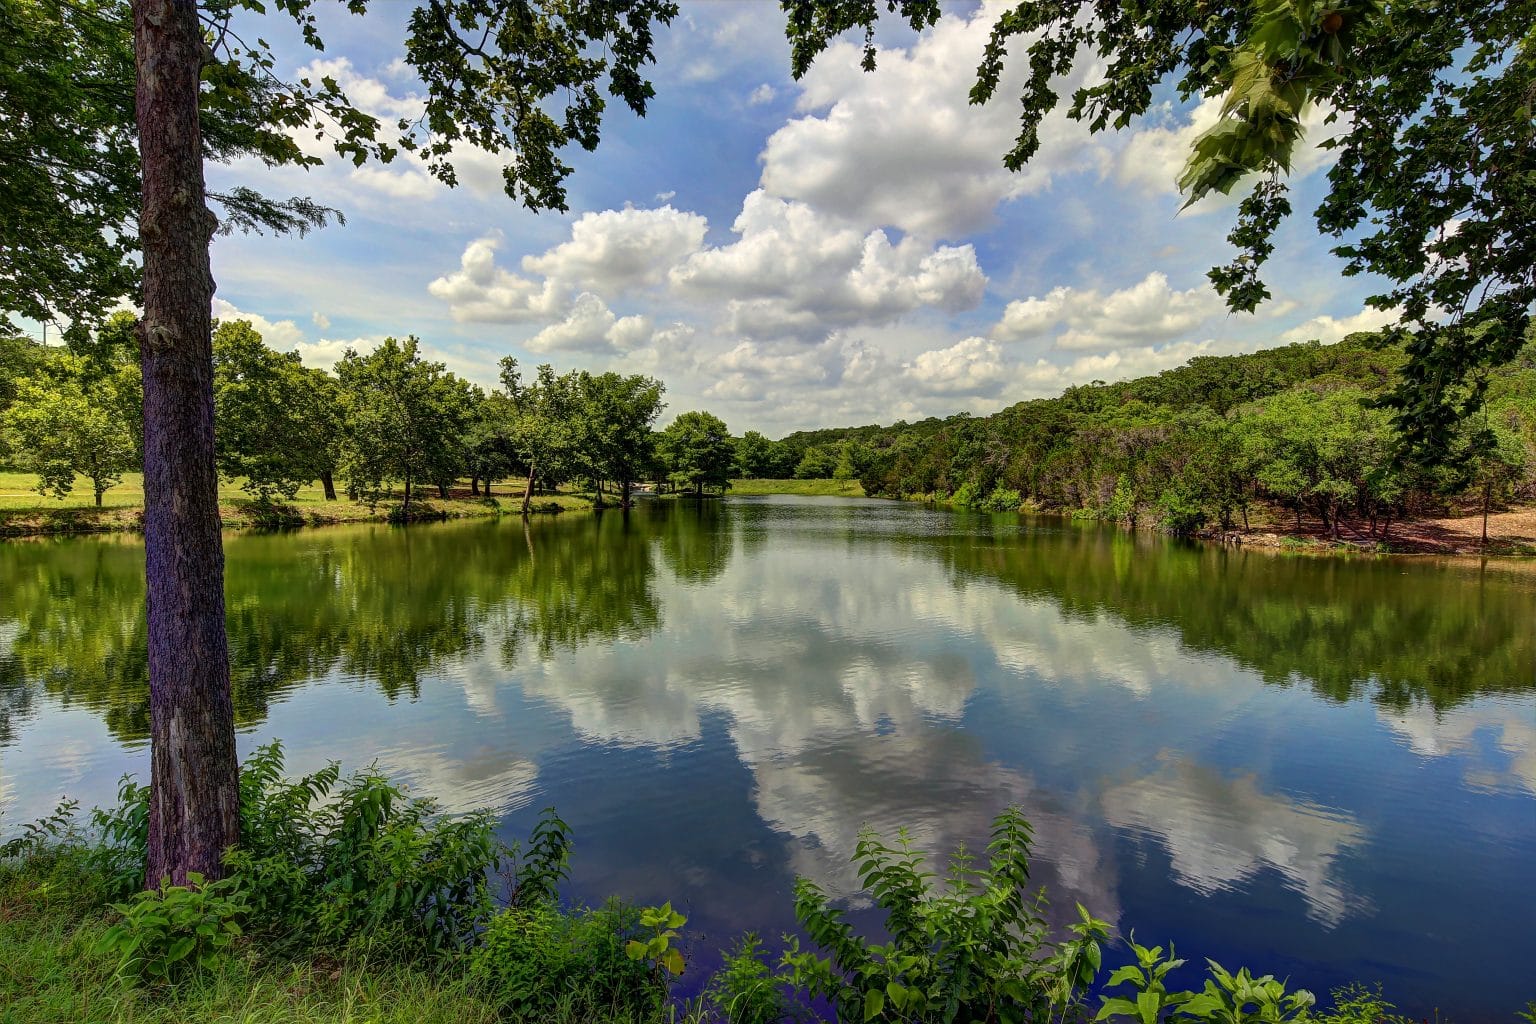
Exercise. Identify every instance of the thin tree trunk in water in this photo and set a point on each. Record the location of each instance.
(329, 483)
(194, 811)
(528, 488)
(407, 503)
(1487, 496)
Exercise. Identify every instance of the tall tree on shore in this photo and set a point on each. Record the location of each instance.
(547, 428)
(617, 413)
(405, 419)
(67, 423)
(697, 450)
(278, 421)
(1434, 184)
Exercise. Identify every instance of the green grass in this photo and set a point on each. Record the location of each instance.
(25, 512)
(51, 920)
(839, 488)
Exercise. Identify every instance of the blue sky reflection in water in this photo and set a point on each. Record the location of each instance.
(1317, 767)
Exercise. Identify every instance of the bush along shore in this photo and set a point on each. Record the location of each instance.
(349, 900)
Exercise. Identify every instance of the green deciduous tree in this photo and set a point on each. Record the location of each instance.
(697, 451)
(547, 424)
(404, 420)
(279, 422)
(754, 455)
(64, 428)
(616, 439)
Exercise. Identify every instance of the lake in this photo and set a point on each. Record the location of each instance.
(1317, 767)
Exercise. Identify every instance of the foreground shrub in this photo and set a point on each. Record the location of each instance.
(175, 931)
(534, 960)
(323, 860)
(975, 950)
(745, 990)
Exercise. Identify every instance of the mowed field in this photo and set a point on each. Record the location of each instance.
(24, 511)
(840, 488)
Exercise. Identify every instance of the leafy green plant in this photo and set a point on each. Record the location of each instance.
(976, 949)
(535, 871)
(533, 959)
(1150, 996)
(1356, 1004)
(172, 932)
(121, 837)
(655, 947)
(323, 860)
(745, 989)
(1004, 499)
(111, 849)
(967, 495)
(37, 836)
(1227, 998)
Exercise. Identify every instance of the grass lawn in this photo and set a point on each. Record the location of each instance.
(839, 488)
(51, 970)
(23, 511)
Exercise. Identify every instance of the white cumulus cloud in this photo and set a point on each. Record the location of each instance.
(481, 292)
(1329, 329)
(1150, 310)
(794, 272)
(614, 250)
(591, 327)
(904, 147)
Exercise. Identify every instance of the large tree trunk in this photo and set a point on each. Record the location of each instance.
(474, 486)
(328, 481)
(194, 810)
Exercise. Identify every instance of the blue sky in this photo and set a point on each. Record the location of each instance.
(845, 249)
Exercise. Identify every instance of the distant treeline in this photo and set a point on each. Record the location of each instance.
(1298, 426)
(385, 423)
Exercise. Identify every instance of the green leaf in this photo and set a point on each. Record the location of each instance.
(1129, 973)
(874, 1003)
(1116, 1008)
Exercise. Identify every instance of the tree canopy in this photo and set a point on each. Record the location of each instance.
(698, 450)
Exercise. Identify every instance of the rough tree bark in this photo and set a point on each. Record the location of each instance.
(328, 481)
(194, 813)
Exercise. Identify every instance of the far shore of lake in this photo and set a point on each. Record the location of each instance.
(25, 513)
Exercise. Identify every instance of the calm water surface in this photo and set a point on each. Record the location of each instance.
(1322, 768)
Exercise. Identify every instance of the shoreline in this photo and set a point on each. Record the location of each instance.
(240, 514)
(1512, 531)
